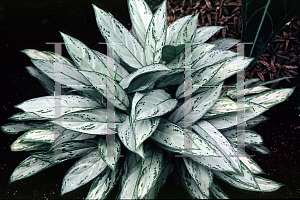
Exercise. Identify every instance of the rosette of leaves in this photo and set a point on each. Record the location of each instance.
(159, 130)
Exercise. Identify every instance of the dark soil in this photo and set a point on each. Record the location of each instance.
(30, 24)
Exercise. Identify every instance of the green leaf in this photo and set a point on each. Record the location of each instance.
(103, 184)
(188, 31)
(156, 35)
(261, 22)
(47, 133)
(67, 104)
(66, 151)
(197, 80)
(190, 184)
(270, 98)
(176, 139)
(143, 72)
(153, 104)
(174, 28)
(188, 114)
(151, 168)
(120, 39)
(206, 32)
(231, 119)
(237, 92)
(223, 106)
(46, 82)
(244, 137)
(84, 170)
(28, 167)
(140, 15)
(112, 160)
(26, 116)
(201, 175)
(20, 145)
(15, 128)
(83, 57)
(217, 192)
(197, 53)
(169, 52)
(249, 162)
(128, 138)
(212, 135)
(91, 121)
(46, 55)
(238, 180)
(115, 69)
(113, 92)
(224, 43)
(172, 78)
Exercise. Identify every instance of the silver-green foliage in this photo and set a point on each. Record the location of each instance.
(152, 125)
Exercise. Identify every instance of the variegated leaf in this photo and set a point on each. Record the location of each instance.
(108, 88)
(249, 162)
(154, 103)
(47, 133)
(66, 103)
(174, 28)
(232, 119)
(224, 43)
(217, 192)
(117, 71)
(103, 184)
(223, 106)
(255, 121)
(91, 121)
(197, 53)
(143, 72)
(110, 158)
(261, 83)
(26, 116)
(238, 180)
(213, 57)
(66, 151)
(69, 135)
(206, 32)
(46, 55)
(230, 67)
(140, 15)
(151, 168)
(66, 74)
(120, 39)
(170, 78)
(156, 35)
(201, 175)
(189, 183)
(15, 128)
(84, 170)
(194, 108)
(243, 137)
(187, 32)
(270, 98)
(237, 92)
(46, 82)
(259, 148)
(84, 57)
(20, 145)
(183, 141)
(212, 135)
(265, 185)
(28, 167)
(197, 80)
(127, 137)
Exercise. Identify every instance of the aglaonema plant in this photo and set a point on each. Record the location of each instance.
(159, 129)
